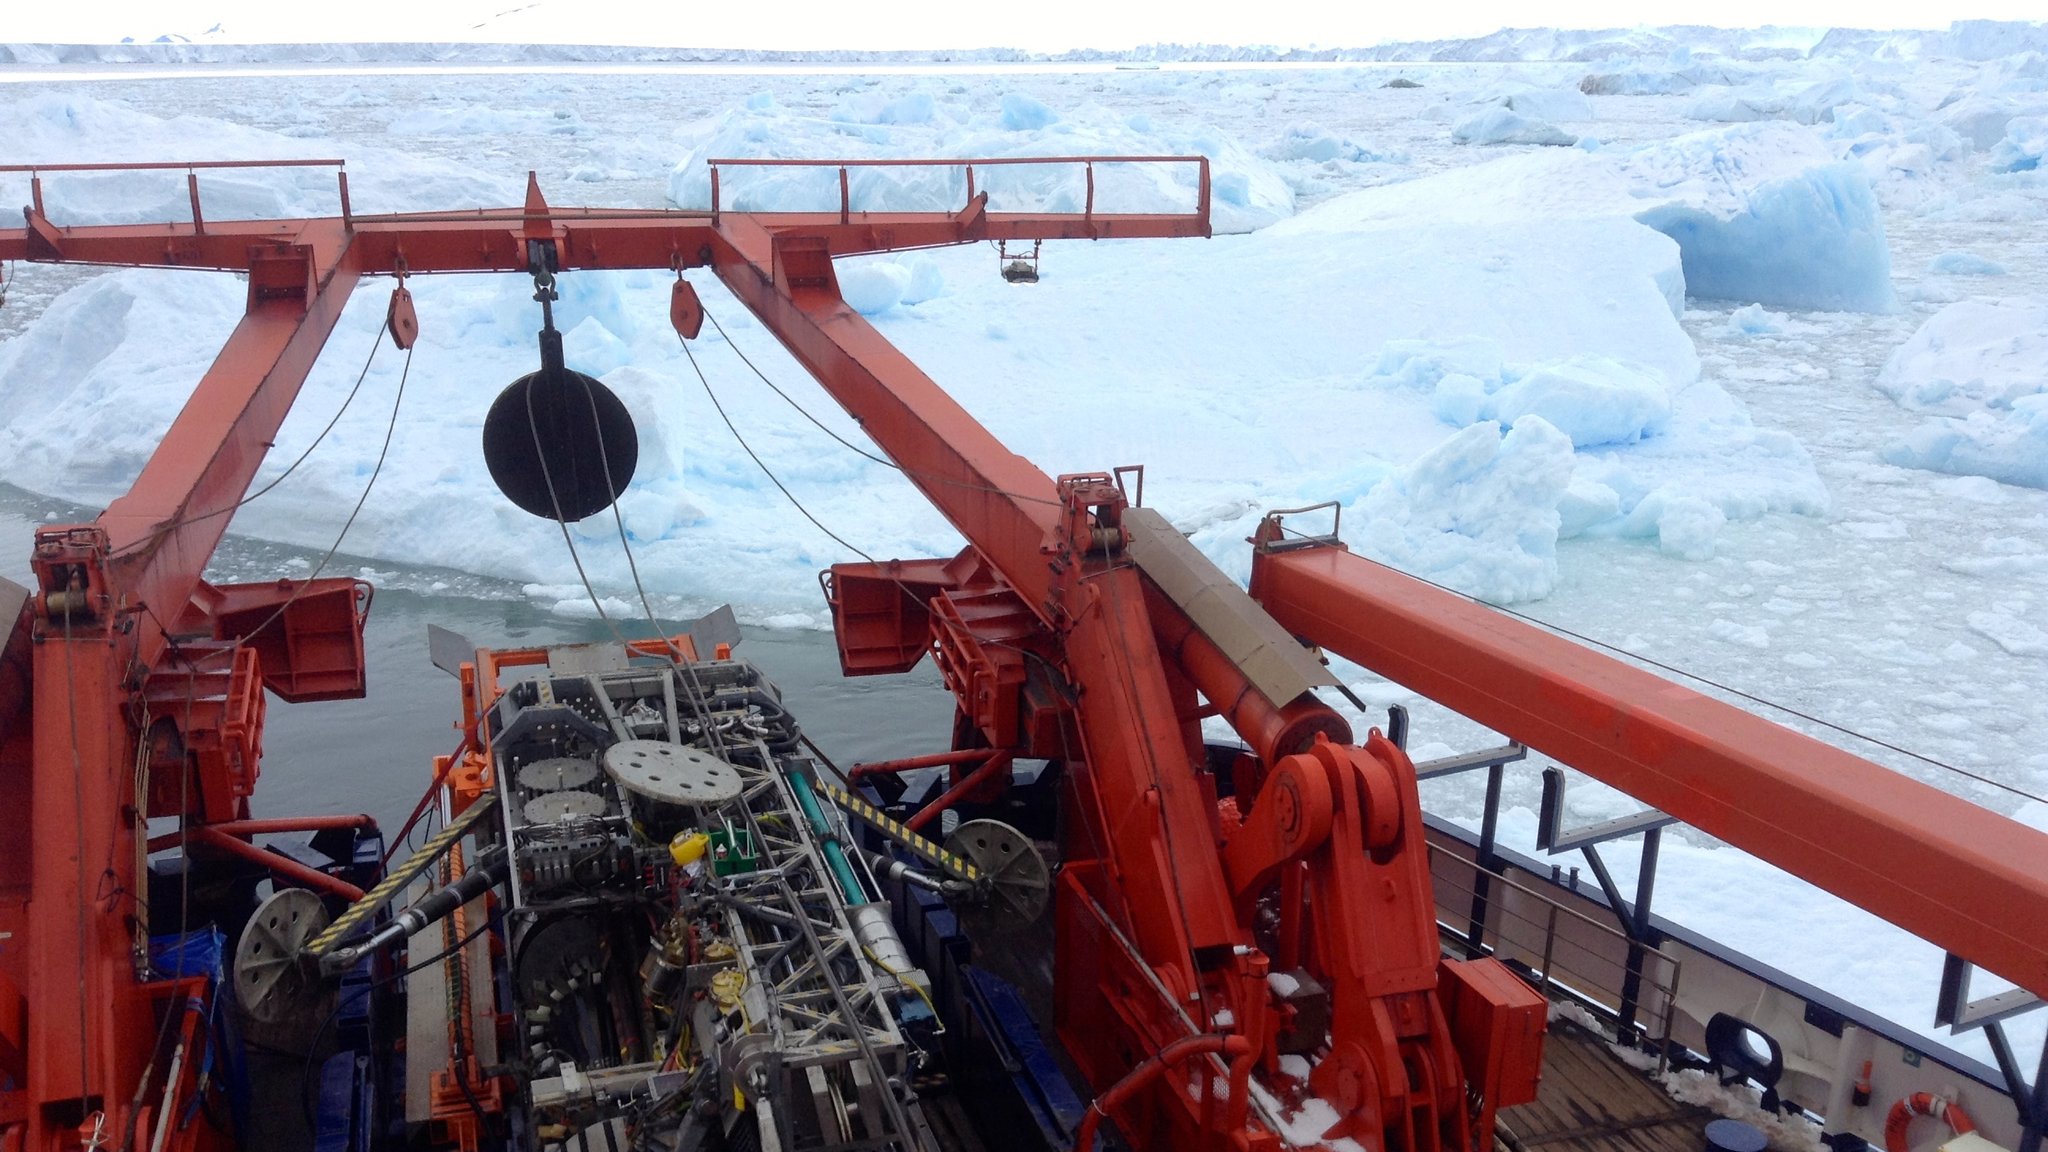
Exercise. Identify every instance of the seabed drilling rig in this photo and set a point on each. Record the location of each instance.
(656, 916)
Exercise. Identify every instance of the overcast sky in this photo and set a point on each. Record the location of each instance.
(1045, 25)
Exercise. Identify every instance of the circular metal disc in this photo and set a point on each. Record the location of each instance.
(1018, 882)
(269, 980)
(672, 773)
(555, 807)
(557, 774)
(560, 445)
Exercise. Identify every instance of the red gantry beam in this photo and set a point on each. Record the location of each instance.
(72, 956)
(1940, 867)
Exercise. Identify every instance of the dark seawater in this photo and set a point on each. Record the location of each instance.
(375, 755)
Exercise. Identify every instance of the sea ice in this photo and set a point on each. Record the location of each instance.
(1501, 125)
(1756, 320)
(1981, 119)
(1314, 143)
(873, 285)
(2010, 632)
(1971, 356)
(2025, 143)
(1478, 512)
(1964, 264)
(1762, 213)
(1591, 399)
(1547, 103)
(1565, 328)
(2011, 446)
(1735, 106)
(68, 128)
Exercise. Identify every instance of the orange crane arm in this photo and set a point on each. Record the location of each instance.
(1940, 867)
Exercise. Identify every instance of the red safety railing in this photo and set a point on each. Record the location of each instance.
(191, 169)
(1088, 164)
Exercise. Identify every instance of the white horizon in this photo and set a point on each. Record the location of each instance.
(918, 25)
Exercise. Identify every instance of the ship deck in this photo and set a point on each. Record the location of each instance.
(1590, 1101)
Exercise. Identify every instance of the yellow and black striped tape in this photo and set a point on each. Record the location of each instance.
(920, 847)
(418, 862)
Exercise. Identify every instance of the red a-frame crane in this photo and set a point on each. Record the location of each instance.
(1074, 626)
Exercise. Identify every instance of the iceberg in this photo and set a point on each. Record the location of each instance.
(2009, 446)
(2024, 145)
(1971, 356)
(1976, 368)
(1501, 125)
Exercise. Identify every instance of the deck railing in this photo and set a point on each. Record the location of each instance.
(191, 169)
(1087, 163)
(1557, 948)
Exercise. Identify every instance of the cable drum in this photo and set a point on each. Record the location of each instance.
(560, 445)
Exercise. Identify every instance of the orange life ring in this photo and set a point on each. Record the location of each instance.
(1922, 1104)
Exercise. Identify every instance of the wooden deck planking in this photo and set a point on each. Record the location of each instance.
(1590, 1101)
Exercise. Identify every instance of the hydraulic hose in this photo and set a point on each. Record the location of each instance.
(431, 908)
(1234, 1046)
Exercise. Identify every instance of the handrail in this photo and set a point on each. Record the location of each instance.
(191, 170)
(1552, 969)
(170, 165)
(1088, 163)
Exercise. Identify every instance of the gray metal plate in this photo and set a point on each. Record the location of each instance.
(1274, 661)
(448, 650)
(672, 773)
(555, 807)
(581, 659)
(556, 774)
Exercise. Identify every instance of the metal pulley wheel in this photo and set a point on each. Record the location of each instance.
(274, 987)
(1014, 876)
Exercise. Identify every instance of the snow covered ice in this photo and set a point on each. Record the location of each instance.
(1980, 369)
(1741, 393)
(1503, 125)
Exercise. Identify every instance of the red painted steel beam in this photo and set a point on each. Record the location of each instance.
(1938, 866)
(589, 238)
(1009, 511)
(74, 963)
(163, 531)
(1158, 820)
(268, 827)
(212, 837)
(995, 498)
(999, 762)
(860, 772)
